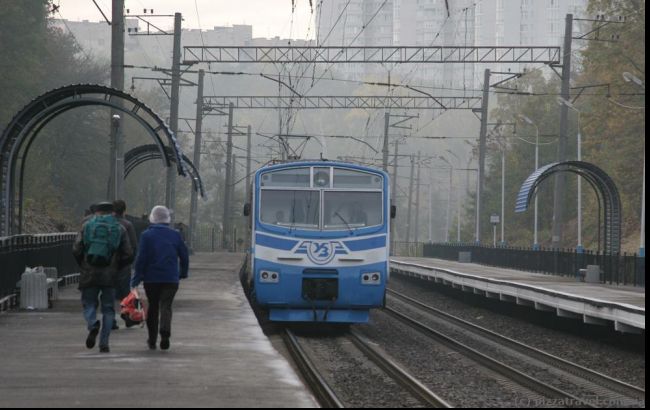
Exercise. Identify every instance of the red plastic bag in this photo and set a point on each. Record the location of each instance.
(133, 311)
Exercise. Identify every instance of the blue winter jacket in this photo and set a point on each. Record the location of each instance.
(160, 249)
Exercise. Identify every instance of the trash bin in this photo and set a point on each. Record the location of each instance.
(52, 275)
(465, 257)
(593, 274)
(33, 289)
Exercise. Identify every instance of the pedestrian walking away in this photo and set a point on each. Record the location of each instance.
(160, 250)
(101, 249)
(122, 288)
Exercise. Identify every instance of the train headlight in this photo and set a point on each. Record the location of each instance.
(371, 278)
(267, 276)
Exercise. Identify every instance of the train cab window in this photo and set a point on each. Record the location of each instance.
(347, 210)
(296, 209)
(347, 178)
(289, 178)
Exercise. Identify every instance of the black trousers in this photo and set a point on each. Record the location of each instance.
(160, 297)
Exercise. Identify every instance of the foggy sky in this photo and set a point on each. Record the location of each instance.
(269, 18)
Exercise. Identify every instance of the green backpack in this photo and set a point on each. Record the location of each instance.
(101, 239)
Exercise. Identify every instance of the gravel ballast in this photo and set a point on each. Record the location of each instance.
(356, 380)
(617, 355)
(457, 379)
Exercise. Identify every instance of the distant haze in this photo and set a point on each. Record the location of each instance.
(269, 18)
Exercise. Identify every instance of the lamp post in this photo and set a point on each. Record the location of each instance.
(629, 77)
(494, 220)
(118, 165)
(429, 207)
(458, 207)
(569, 104)
(503, 196)
(451, 174)
(642, 239)
(503, 188)
(535, 228)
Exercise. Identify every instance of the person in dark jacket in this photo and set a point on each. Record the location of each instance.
(100, 281)
(157, 265)
(122, 288)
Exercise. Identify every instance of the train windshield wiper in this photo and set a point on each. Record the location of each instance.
(344, 221)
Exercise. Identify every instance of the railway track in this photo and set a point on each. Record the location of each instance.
(602, 388)
(318, 385)
(329, 398)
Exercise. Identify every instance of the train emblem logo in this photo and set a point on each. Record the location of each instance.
(321, 253)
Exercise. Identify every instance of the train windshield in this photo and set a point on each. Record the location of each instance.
(351, 210)
(321, 198)
(291, 208)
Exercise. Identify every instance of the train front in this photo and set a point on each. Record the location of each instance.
(320, 241)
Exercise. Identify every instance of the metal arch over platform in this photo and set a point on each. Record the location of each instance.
(17, 138)
(144, 153)
(386, 54)
(608, 196)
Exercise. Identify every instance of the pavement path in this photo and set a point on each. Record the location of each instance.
(219, 356)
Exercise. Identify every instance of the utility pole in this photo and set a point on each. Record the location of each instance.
(393, 193)
(283, 147)
(385, 148)
(503, 196)
(395, 173)
(417, 204)
(642, 237)
(448, 217)
(227, 185)
(248, 163)
(170, 198)
(430, 210)
(197, 154)
(233, 179)
(116, 178)
(458, 210)
(560, 177)
(410, 201)
(481, 151)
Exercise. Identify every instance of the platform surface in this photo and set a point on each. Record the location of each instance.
(623, 305)
(219, 356)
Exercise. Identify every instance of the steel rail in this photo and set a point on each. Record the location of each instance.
(575, 369)
(501, 368)
(323, 392)
(398, 373)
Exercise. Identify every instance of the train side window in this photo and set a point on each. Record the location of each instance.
(347, 178)
(290, 178)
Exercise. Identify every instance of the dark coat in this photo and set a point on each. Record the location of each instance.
(103, 276)
(159, 253)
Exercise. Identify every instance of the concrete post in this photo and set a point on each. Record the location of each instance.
(170, 199)
(560, 177)
(116, 178)
(197, 154)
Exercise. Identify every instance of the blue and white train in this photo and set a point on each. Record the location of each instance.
(319, 241)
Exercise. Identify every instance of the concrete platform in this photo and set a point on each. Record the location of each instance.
(219, 356)
(623, 307)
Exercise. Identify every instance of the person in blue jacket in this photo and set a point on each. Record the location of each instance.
(157, 265)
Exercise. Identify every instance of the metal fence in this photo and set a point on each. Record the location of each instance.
(620, 269)
(413, 249)
(20, 251)
(206, 238)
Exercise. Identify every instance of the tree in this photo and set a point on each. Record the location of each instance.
(614, 131)
(35, 57)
